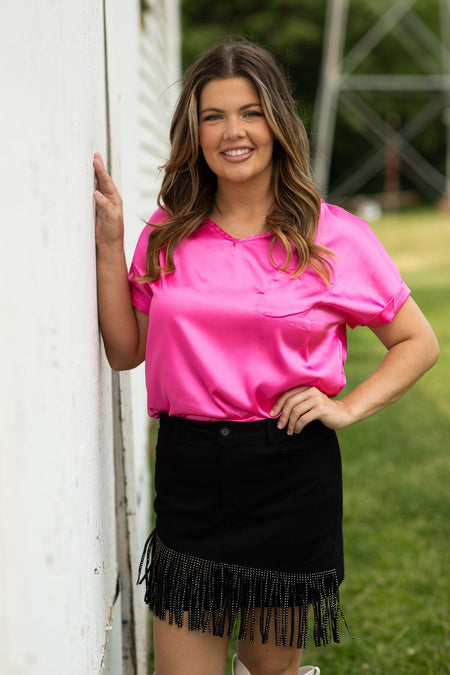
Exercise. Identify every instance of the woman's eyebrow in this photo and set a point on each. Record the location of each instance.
(219, 110)
(250, 105)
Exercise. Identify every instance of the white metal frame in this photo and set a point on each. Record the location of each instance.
(339, 92)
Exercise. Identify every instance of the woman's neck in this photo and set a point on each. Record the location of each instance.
(240, 211)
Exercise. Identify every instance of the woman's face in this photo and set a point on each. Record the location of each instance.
(236, 140)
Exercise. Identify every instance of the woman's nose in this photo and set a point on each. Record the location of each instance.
(234, 128)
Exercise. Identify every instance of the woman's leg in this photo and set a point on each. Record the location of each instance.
(268, 659)
(180, 651)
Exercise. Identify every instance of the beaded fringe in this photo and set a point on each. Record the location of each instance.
(220, 596)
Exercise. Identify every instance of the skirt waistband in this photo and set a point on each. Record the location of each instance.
(260, 430)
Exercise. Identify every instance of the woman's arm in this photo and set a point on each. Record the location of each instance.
(124, 329)
(412, 349)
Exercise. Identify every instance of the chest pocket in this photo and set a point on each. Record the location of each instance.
(293, 301)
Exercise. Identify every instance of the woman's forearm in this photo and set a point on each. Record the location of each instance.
(123, 331)
(412, 350)
(403, 364)
(116, 313)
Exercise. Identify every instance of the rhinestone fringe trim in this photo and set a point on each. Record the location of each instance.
(220, 596)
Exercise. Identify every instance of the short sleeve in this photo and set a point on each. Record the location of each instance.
(367, 286)
(141, 293)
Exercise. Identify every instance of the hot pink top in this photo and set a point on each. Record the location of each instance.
(228, 332)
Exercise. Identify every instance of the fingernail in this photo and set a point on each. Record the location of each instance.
(98, 194)
(272, 412)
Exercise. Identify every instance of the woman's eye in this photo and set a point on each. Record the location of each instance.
(250, 114)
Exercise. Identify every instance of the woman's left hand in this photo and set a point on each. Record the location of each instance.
(301, 405)
(412, 349)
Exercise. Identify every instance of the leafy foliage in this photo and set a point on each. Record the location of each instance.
(294, 32)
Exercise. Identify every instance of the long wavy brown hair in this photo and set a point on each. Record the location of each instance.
(189, 186)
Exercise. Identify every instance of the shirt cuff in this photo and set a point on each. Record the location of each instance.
(390, 310)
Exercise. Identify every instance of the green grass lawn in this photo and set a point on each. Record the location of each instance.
(396, 487)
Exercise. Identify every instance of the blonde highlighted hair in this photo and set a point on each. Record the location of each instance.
(188, 188)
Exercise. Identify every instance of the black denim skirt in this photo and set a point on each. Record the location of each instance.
(248, 530)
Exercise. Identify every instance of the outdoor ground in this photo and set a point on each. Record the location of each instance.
(396, 487)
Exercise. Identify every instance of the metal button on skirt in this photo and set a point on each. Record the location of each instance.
(248, 530)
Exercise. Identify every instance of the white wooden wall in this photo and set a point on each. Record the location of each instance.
(75, 77)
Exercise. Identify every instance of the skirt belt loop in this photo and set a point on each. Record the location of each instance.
(271, 430)
(173, 425)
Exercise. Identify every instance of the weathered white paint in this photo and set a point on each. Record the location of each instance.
(139, 122)
(159, 73)
(58, 545)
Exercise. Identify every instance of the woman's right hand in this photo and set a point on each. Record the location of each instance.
(124, 329)
(109, 227)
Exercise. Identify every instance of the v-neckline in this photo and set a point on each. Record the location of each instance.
(225, 234)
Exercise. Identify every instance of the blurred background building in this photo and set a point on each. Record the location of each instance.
(76, 77)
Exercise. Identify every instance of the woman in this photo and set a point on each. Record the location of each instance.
(238, 298)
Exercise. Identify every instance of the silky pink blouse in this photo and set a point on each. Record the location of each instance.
(228, 332)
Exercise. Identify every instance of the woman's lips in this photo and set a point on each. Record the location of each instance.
(237, 154)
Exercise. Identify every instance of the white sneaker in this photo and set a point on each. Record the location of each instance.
(238, 668)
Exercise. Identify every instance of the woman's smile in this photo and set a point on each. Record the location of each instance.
(237, 154)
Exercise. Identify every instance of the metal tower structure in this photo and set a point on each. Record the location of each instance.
(341, 92)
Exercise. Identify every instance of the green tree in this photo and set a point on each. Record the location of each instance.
(294, 33)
